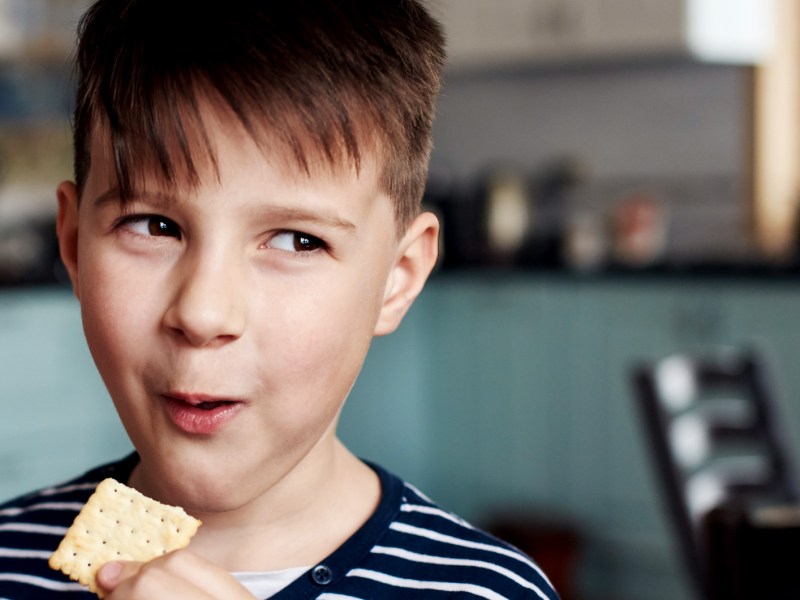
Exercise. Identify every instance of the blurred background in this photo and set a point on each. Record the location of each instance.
(617, 182)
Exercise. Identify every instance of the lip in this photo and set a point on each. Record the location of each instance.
(191, 414)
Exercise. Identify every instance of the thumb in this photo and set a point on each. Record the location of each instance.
(112, 573)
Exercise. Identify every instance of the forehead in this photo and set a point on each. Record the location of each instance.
(205, 140)
(249, 181)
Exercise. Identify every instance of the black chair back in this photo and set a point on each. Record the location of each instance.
(716, 440)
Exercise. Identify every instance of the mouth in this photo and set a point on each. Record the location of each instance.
(211, 405)
(201, 414)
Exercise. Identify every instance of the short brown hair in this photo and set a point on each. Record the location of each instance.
(326, 79)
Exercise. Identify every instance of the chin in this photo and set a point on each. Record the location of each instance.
(197, 495)
(210, 506)
(208, 486)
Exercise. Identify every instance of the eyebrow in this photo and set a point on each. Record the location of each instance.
(113, 195)
(284, 213)
(321, 218)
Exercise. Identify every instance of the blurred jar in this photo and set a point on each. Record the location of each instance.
(639, 226)
(585, 242)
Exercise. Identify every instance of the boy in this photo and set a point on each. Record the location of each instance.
(244, 219)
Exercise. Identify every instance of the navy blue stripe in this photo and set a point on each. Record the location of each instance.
(387, 547)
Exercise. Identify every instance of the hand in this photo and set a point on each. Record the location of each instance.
(181, 574)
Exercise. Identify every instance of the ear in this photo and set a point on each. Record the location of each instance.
(416, 257)
(67, 230)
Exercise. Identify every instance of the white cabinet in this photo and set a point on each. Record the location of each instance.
(509, 32)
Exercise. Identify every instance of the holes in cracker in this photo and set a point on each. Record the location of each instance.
(133, 521)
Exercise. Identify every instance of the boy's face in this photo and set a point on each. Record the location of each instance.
(230, 321)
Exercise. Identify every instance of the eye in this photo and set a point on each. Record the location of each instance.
(295, 241)
(151, 225)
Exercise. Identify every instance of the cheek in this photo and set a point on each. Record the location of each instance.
(324, 337)
(319, 341)
(112, 314)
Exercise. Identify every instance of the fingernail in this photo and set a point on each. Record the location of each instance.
(109, 572)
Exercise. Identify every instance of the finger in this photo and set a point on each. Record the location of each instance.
(112, 573)
(181, 574)
(155, 583)
(203, 574)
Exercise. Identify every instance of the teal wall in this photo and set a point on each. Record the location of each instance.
(499, 394)
(59, 420)
(527, 408)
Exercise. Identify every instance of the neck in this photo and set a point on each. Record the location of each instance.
(297, 522)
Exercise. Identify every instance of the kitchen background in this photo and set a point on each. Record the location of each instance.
(596, 168)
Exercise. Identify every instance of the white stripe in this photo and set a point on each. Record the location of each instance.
(448, 539)
(13, 512)
(418, 493)
(33, 528)
(14, 553)
(459, 562)
(68, 488)
(442, 586)
(432, 510)
(336, 597)
(41, 582)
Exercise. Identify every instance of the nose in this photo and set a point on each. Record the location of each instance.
(206, 307)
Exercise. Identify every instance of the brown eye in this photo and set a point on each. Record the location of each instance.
(163, 227)
(295, 241)
(306, 243)
(151, 226)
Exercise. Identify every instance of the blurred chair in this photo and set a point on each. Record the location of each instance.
(721, 453)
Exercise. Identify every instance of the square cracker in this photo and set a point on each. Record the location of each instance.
(119, 523)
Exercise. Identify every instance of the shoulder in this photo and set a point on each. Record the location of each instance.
(31, 527)
(426, 547)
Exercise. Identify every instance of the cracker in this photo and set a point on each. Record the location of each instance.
(119, 523)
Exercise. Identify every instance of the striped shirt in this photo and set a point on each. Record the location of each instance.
(410, 549)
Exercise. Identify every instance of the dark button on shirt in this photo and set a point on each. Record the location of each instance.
(322, 575)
